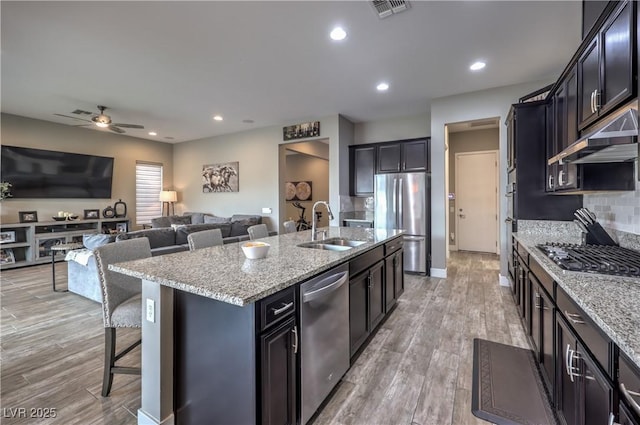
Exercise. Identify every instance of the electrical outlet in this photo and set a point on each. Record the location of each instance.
(266, 210)
(151, 310)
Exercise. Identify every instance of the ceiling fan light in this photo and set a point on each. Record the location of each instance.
(102, 124)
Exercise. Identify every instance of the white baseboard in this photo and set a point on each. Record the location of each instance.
(439, 273)
(504, 280)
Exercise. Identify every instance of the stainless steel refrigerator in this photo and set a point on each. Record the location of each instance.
(402, 201)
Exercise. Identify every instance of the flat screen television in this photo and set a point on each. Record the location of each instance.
(38, 173)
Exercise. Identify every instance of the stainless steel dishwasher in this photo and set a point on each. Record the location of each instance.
(324, 336)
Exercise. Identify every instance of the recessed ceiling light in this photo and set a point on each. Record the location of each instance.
(153, 133)
(217, 118)
(382, 87)
(338, 34)
(477, 66)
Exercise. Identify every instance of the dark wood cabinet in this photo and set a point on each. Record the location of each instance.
(394, 273)
(278, 390)
(366, 304)
(605, 68)
(376, 294)
(584, 394)
(529, 197)
(362, 170)
(403, 156)
(358, 314)
(542, 324)
(387, 157)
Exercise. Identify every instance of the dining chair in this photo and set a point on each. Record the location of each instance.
(204, 239)
(290, 226)
(121, 302)
(258, 231)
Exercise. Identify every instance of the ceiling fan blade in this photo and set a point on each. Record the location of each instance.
(116, 129)
(129, 125)
(73, 118)
(82, 125)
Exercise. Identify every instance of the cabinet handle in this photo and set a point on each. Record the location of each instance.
(285, 307)
(295, 339)
(571, 355)
(596, 100)
(550, 181)
(574, 318)
(628, 395)
(591, 103)
(369, 282)
(611, 419)
(561, 181)
(538, 304)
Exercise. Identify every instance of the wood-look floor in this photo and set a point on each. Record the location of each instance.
(415, 370)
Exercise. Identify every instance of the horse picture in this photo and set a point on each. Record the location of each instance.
(220, 177)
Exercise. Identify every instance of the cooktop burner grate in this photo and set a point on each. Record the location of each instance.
(613, 260)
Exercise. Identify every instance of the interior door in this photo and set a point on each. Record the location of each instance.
(477, 201)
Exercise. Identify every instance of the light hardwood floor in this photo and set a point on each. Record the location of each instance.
(415, 370)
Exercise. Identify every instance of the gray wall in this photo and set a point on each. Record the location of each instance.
(467, 141)
(27, 132)
(398, 128)
(466, 107)
(262, 166)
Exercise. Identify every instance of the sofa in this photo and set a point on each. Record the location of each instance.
(167, 235)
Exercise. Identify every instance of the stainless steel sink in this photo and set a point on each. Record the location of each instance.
(333, 244)
(342, 242)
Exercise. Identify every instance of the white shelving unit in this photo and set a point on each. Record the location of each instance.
(33, 241)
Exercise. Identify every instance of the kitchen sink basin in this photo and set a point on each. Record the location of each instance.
(333, 244)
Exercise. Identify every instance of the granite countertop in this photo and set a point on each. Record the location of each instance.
(612, 302)
(223, 272)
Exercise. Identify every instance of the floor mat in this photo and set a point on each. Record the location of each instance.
(507, 387)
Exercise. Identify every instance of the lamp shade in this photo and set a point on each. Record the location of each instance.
(168, 196)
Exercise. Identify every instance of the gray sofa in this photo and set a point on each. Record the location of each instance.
(168, 235)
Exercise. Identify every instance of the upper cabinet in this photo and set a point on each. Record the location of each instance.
(405, 156)
(362, 169)
(605, 68)
(365, 161)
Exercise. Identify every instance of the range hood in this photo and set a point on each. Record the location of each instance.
(612, 140)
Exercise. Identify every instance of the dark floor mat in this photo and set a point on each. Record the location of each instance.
(507, 388)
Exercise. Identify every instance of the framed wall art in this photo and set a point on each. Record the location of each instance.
(7, 236)
(91, 214)
(222, 177)
(28, 216)
(301, 131)
(298, 191)
(6, 256)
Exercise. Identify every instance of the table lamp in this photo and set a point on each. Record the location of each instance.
(168, 197)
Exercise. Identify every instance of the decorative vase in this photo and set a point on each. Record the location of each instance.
(120, 208)
(108, 212)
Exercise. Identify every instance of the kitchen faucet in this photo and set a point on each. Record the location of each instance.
(314, 218)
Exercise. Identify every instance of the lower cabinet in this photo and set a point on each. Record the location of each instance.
(366, 304)
(584, 395)
(394, 278)
(542, 324)
(278, 352)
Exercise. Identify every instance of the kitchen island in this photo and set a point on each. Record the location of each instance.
(204, 316)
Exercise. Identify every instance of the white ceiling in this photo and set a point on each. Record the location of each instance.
(171, 66)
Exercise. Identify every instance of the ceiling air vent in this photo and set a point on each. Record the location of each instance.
(386, 8)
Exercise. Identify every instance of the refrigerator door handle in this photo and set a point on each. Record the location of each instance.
(395, 202)
(400, 204)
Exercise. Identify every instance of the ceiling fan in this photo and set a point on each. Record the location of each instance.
(102, 120)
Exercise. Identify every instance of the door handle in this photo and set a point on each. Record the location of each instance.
(461, 215)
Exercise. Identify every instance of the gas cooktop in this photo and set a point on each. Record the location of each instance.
(613, 260)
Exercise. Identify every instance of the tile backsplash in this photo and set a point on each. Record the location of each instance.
(619, 211)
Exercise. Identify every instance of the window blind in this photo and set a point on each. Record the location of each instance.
(148, 187)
